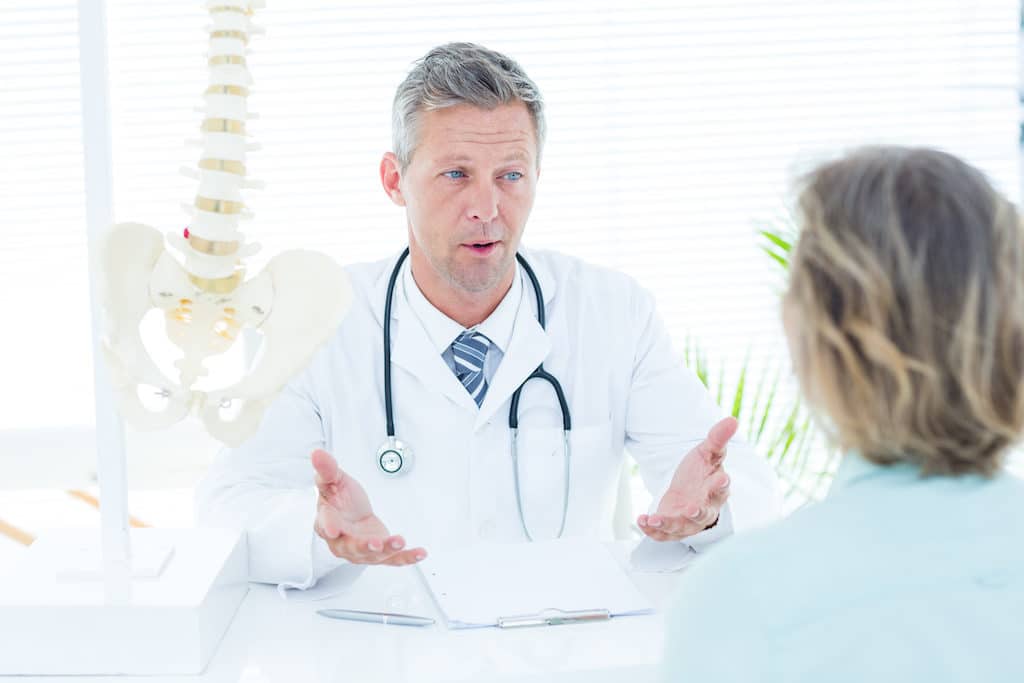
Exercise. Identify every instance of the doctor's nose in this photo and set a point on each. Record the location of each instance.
(483, 203)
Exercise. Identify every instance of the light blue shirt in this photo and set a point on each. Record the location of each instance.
(893, 577)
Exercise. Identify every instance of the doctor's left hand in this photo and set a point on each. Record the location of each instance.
(345, 520)
(699, 489)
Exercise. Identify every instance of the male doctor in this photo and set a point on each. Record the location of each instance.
(311, 488)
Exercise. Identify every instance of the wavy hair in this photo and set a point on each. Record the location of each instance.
(905, 310)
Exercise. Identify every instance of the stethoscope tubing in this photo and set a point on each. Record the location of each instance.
(513, 410)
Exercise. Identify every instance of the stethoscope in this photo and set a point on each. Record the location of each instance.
(395, 457)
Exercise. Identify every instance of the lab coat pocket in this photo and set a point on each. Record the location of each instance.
(589, 498)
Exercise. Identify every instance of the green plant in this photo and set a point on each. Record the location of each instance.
(780, 429)
(778, 247)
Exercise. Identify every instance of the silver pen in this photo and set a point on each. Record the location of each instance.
(554, 617)
(376, 617)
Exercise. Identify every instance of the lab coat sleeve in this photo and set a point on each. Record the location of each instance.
(265, 487)
(669, 412)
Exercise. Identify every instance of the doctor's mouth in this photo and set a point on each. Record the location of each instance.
(482, 248)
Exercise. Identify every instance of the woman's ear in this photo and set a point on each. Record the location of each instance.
(391, 178)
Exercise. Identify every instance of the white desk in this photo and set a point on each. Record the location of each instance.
(277, 641)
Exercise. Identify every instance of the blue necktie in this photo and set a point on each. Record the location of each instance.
(470, 350)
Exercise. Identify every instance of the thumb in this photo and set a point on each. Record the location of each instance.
(326, 468)
(718, 438)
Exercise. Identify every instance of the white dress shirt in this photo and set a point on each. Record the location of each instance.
(442, 330)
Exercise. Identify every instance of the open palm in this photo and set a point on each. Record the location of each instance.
(345, 519)
(699, 489)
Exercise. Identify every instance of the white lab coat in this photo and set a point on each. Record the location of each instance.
(625, 387)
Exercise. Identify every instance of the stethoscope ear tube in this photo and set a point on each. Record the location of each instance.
(395, 457)
(563, 404)
(540, 372)
(389, 413)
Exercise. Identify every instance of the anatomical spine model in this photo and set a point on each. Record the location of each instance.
(296, 301)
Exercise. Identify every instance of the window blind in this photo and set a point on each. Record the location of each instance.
(45, 352)
(675, 131)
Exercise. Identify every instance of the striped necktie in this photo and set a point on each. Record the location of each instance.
(470, 350)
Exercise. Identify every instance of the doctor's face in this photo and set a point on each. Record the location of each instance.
(468, 191)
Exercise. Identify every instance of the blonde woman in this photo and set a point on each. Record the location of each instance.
(905, 320)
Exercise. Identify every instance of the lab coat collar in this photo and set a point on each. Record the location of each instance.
(413, 350)
(442, 330)
(529, 346)
(530, 343)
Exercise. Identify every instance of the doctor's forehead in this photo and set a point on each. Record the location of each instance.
(465, 130)
(515, 154)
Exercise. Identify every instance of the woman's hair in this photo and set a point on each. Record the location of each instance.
(905, 309)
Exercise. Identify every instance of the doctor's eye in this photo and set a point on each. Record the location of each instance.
(513, 175)
(454, 175)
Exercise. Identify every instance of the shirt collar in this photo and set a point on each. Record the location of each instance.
(854, 469)
(442, 330)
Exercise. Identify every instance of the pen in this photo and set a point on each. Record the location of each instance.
(554, 617)
(376, 617)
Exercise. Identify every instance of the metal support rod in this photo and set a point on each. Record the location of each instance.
(111, 457)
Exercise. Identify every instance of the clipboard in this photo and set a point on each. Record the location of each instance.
(517, 585)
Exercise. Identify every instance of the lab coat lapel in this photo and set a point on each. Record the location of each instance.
(529, 346)
(527, 349)
(411, 348)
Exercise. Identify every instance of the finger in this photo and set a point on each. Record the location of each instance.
(377, 550)
(649, 521)
(655, 534)
(360, 549)
(675, 526)
(326, 468)
(720, 494)
(704, 517)
(371, 546)
(411, 556)
(665, 527)
(718, 438)
(326, 526)
(394, 543)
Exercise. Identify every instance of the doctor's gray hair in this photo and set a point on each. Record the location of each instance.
(460, 73)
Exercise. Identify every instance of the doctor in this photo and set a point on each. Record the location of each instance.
(458, 326)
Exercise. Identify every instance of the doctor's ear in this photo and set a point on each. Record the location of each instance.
(391, 177)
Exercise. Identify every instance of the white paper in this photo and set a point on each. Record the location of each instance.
(476, 585)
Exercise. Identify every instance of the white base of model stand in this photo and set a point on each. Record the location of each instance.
(61, 614)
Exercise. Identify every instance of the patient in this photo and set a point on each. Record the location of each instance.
(905, 321)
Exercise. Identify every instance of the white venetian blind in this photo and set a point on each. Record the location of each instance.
(45, 352)
(675, 129)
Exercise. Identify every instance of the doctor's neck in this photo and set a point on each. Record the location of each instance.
(466, 305)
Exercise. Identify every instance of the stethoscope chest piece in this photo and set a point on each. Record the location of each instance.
(394, 457)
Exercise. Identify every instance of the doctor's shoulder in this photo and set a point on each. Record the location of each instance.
(581, 284)
(352, 329)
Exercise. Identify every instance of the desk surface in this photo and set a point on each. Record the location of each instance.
(273, 640)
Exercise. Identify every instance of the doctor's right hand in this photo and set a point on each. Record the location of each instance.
(345, 520)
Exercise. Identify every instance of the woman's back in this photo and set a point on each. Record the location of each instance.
(892, 577)
(904, 315)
